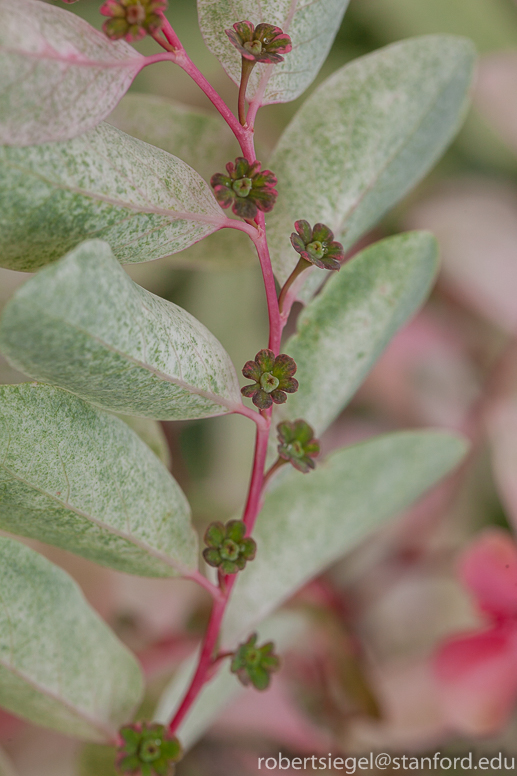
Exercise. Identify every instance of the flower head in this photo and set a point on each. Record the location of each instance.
(254, 665)
(147, 750)
(263, 43)
(297, 444)
(132, 19)
(273, 379)
(476, 671)
(245, 188)
(317, 245)
(228, 549)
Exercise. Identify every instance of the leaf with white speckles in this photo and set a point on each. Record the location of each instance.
(79, 478)
(344, 330)
(150, 432)
(311, 24)
(60, 76)
(365, 137)
(60, 665)
(202, 140)
(310, 521)
(84, 325)
(144, 202)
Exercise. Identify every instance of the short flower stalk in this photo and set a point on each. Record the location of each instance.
(264, 43)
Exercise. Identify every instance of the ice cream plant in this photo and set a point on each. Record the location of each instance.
(95, 344)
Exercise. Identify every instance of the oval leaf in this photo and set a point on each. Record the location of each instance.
(140, 199)
(152, 433)
(344, 330)
(60, 76)
(60, 665)
(80, 479)
(308, 522)
(111, 342)
(365, 137)
(312, 26)
(202, 140)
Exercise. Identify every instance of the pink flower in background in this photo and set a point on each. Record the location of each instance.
(477, 671)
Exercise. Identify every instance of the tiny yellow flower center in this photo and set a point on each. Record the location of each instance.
(317, 248)
(296, 449)
(150, 750)
(135, 14)
(242, 187)
(269, 382)
(253, 657)
(253, 46)
(230, 550)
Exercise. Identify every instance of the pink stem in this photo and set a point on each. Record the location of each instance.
(253, 503)
(205, 661)
(206, 666)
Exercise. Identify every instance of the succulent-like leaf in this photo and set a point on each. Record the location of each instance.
(344, 330)
(60, 76)
(202, 140)
(60, 665)
(307, 523)
(144, 202)
(84, 325)
(80, 479)
(365, 137)
(311, 25)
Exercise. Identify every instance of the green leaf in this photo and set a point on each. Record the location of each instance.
(144, 202)
(308, 522)
(200, 139)
(284, 629)
(365, 137)
(6, 766)
(150, 432)
(115, 344)
(60, 76)
(80, 479)
(311, 24)
(344, 330)
(60, 665)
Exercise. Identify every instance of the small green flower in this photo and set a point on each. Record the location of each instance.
(297, 444)
(317, 245)
(148, 750)
(132, 19)
(263, 43)
(228, 549)
(254, 665)
(273, 379)
(246, 188)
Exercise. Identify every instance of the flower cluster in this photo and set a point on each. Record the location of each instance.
(245, 188)
(132, 19)
(228, 549)
(263, 43)
(317, 245)
(297, 444)
(254, 665)
(273, 378)
(148, 750)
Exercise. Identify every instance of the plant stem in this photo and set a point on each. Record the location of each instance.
(302, 265)
(208, 664)
(247, 67)
(273, 470)
(174, 46)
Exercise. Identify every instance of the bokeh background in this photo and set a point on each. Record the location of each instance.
(365, 680)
